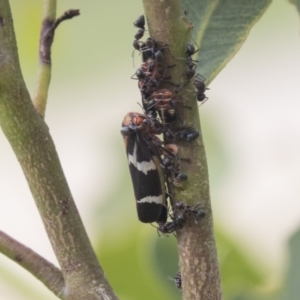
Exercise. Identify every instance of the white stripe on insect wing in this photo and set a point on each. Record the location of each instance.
(144, 166)
(151, 199)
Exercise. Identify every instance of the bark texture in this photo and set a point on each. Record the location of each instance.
(168, 24)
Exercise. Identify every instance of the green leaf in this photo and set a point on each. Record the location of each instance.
(220, 28)
(243, 277)
(292, 286)
(297, 3)
(239, 275)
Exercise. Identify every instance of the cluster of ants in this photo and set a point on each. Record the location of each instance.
(151, 75)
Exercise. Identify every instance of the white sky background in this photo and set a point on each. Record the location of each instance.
(255, 104)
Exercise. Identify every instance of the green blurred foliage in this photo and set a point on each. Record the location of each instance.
(239, 275)
(291, 290)
(220, 29)
(297, 3)
(130, 266)
(19, 286)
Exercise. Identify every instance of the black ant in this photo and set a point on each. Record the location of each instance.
(172, 169)
(139, 34)
(183, 134)
(181, 212)
(191, 69)
(150, 76)
(177, 280)
(190, 50)
(150, 50)
(191, 66)
(140, 22)
(168, 227)
(201, 88)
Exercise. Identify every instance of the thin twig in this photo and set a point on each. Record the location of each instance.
(69, 14)
(49, 26)
(47, 34)
(35, 264)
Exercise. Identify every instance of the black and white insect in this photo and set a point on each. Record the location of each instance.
(144, 150)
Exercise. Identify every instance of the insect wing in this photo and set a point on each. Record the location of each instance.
(148, 185)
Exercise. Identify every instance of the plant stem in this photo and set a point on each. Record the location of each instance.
(196, 243)
(34, 148)
(49, 25)
(39, 267)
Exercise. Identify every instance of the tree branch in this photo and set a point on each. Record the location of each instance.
(35, 264)
(49, 25)
(30, 139)
(196, 244)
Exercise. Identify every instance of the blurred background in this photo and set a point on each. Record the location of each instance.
(251, 130)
